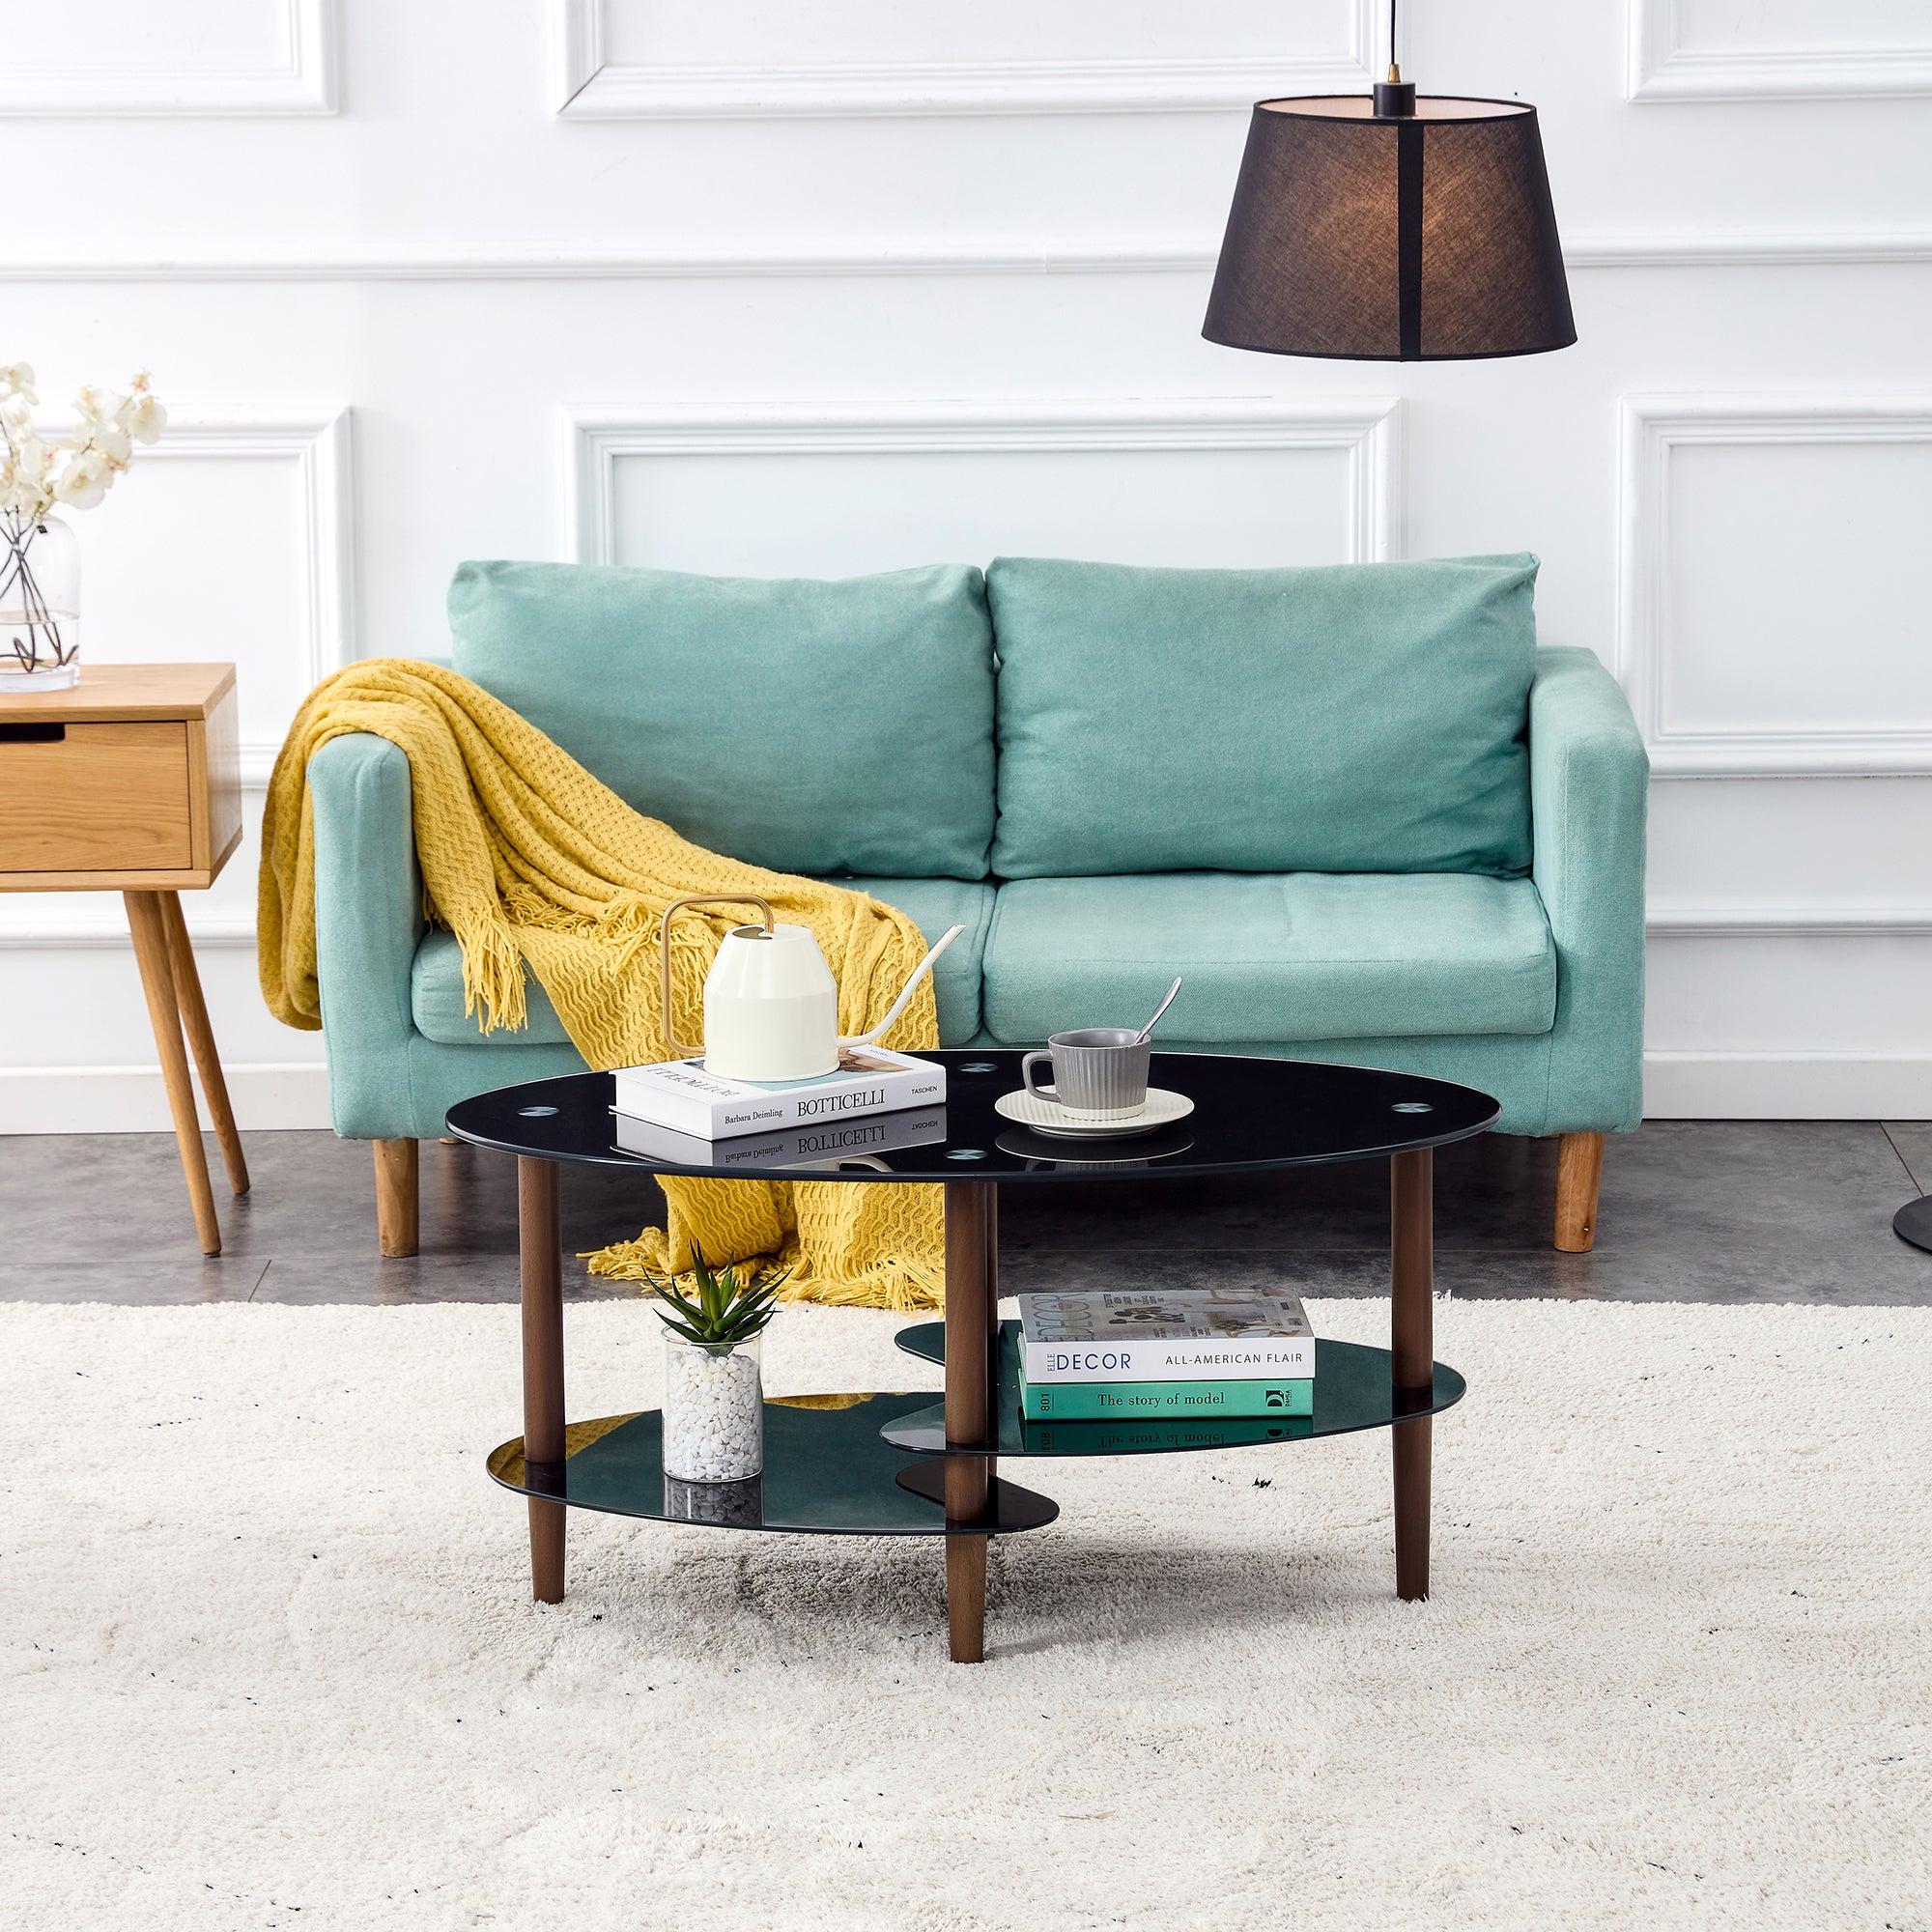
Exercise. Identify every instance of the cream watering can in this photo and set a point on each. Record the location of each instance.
(771, 1005)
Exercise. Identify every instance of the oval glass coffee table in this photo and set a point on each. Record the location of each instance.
(897, 1463)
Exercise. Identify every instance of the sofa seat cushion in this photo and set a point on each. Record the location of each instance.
(807, 725)
(436, 978)
(1299, 955)
(1359, 718)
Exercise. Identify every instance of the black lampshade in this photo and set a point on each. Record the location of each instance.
(1413, 237)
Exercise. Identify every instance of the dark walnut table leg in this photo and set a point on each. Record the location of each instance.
(540, 1247)
(1412, 1348)
(972, 1321)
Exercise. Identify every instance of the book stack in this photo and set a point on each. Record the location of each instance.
(1114, 1355)
(685, 1097)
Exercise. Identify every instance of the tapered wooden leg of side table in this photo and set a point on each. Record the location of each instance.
(1412, 1348)
(149, 926)
(972, 1302)
(540, 1246)
(201, 1038)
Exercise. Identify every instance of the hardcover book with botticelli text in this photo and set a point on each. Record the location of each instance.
(688, 1098)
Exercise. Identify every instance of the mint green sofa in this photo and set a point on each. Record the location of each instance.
(1361, 809)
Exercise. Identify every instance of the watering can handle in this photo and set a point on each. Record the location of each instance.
(678, 1049)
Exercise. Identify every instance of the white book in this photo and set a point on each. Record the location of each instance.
(1180, 1335)
(821, 1146)
(684, 1094)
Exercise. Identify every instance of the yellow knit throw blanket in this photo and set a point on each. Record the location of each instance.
(528, 858)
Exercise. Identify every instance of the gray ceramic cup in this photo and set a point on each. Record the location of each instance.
(1098, 1073)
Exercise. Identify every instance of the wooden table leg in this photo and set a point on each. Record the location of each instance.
(201, 1038)
(539, 1241)
(148, 927)
(1412, 1348)
(972, 1317)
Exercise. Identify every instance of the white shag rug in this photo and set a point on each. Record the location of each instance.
(269, 1658)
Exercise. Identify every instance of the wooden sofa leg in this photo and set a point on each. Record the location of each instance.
(1580, 1171)
(396, 1196)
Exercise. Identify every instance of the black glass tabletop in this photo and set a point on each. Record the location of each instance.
(1245, 1113)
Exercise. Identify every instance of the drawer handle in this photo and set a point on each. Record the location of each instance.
(36, 733)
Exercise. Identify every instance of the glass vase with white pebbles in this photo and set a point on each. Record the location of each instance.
(713, 1398)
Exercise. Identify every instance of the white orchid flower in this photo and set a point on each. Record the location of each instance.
(96, 405)
(83, 482)
(145, 420)
(27, 488)
(78, 469)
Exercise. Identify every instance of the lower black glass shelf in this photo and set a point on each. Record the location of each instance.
(1352, 1391)
(828, 1471)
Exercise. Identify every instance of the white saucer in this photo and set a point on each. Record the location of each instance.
(1047, 1117)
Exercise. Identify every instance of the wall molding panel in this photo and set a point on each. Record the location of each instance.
(316, 439)
(1772, 1085)
(1788, 922)
(131, 1099)
(1659, 66)
(587, 84)
(1653, 428)
(835, 256)
(598, 436)
(304, 83)
(224, 932)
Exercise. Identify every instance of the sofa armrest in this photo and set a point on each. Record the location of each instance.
(369, 921)
(1589, 797)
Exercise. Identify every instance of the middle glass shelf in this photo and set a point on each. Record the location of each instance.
(1353, 1390)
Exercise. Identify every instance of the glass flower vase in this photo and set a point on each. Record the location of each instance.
(39, 605)
(714, 1411)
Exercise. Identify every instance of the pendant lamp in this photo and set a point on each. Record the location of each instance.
(1392, 227)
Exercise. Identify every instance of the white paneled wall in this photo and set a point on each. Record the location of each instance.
(830, 285)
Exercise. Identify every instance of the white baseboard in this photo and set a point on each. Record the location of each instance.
(131, 1099)
(1679, 1086)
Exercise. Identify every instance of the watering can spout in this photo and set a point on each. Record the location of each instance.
(898, 1005)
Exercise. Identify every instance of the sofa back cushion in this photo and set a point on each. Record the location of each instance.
(810, 726)
(1363, 718)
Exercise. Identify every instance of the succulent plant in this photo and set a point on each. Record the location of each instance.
(729, 1308)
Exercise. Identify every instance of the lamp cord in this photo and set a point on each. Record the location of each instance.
(1395, 69)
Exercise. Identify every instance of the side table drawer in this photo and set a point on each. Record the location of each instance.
(95, 798)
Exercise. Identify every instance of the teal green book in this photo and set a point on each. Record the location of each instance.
(1121, 1402)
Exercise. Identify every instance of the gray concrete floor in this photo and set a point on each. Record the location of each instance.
(1706, 1210)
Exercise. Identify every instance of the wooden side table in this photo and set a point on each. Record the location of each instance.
(130, 783)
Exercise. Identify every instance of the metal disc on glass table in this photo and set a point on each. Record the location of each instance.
(1160, 1109)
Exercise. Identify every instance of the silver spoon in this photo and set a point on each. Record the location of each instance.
(1158, 1011)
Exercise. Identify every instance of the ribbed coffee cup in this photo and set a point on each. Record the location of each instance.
(1098, 1073)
